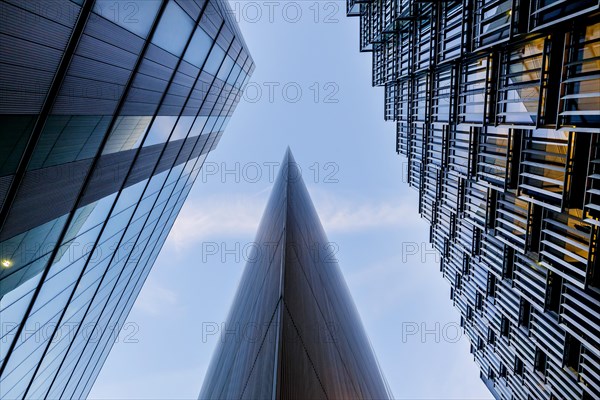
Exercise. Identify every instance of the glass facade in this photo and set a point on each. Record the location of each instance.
(108, 109)
(497, 110)
(293, 331)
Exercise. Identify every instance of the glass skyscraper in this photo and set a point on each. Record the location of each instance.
(497, 110)
(108, 109)
(293, 331)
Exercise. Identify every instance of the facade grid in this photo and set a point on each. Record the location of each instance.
(497, 110)
(108, 110)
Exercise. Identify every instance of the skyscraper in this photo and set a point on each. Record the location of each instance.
(108, 109)
(497, 110)
(293, 331)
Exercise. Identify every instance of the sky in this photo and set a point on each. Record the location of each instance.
(311, 90)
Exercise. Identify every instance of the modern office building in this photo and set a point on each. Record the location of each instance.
(108, 109)
(497, 106)
(293, 331)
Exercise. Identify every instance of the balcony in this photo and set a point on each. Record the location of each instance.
(580, 88)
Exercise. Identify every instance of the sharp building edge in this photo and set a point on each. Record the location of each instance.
(293, 331)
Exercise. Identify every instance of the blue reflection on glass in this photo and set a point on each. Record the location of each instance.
(174, 28)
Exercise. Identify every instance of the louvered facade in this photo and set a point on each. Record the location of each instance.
(497, 110)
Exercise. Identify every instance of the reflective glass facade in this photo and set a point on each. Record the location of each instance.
(108, 109)
(293, 331)
(497, 109)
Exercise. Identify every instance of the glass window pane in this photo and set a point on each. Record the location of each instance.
(199, 47)
(173, 30)
(134, 15)
(214, 60)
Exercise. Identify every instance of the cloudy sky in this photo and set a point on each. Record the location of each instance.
(311, 90)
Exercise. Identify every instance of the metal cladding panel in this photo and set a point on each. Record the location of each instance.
(91, 181)
(312, 342)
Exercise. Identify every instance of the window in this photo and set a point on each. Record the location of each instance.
(214, 60)
(199, 47)
(136, 16)
(173, 30)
